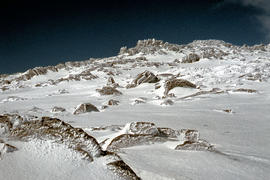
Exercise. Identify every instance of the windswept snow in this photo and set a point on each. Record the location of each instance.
(149, 103)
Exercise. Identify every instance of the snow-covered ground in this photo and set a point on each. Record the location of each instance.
(229, 108)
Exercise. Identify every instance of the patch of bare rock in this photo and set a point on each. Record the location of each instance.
(245, 90)
(139, 100)
(111, 82)
(84, 108)
(6, 148)
(108, 90)
(191, 58)
(113, 102)
(57, 109)
(144, 77)
(141, 133)
(150, 46)
(173, 83)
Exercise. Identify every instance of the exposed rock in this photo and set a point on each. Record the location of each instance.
(123, 50)
(189, 135)
(108, 90)
(111, 128)
(104, 107)
(227, 110)
(145, 77)
(5, 125)
(59, 131)
(172, 83)
(112, 102)
(8, 121)
(84, 108)
(63, 91)
(245, 90)
(14, 98)
(4, 88)
(123, 170)
(36, 109)
(35, 72)
(191, 58)
(212, 91)
(150, 46)
(260, 47)
(168, 132)
(57, 109)
(6, 148)
(111, 82)
(140, 100)
(128, 140)
(146, 128)
(167, 102)
(200, 145)
(75, 138)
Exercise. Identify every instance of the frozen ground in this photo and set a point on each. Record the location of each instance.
(229, 108)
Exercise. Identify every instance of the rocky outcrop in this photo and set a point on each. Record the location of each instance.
(245, 90)
(191, 141)
(84, 108)
(57, 109)
(128, 140)
(113, 102)
(190, 58)
(146, 128)
(200, 145)
(63, 133)
(6, 148)
(108, 90)
(123, 170)
(144, 133)
(135, 133)
(139, 100)
(144, 77)
(7, 122)
(35, 72)
(167, 102)
(150, 46)
(172, 83)
(111, 82)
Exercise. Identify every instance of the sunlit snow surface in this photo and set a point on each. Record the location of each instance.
(241, 135)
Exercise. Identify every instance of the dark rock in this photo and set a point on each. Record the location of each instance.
(123, 170)
(112, 102)
(195, 146)
(145, 77)
(58, 109)
(108, 90)
(167, 102)
(172, 83)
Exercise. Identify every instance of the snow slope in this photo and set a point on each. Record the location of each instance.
(229, 107)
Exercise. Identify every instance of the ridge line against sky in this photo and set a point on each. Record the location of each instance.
(41, 33)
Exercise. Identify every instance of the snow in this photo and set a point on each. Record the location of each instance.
(39, 159)
(241, 136)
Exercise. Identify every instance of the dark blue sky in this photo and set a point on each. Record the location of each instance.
(46, 33)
